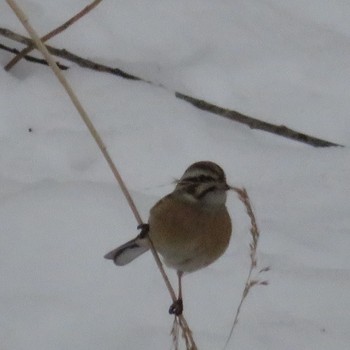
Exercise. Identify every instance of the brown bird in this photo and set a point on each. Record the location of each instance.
(190, 227)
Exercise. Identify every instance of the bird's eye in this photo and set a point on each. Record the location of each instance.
(206, 191)
(201, 179)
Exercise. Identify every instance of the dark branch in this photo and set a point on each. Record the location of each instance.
(85, 63)
(253, 123)
(69, 56)
(31, 58)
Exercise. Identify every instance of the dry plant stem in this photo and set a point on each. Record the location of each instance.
(180, 322)
(53, 33)
(186, 333)
(162, 271)
(255, 234)
(253, 123)
(175, 334)
(247, 286)
(21, 16)
(77, 105)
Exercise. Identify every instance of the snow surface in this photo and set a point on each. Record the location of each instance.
(286, 62)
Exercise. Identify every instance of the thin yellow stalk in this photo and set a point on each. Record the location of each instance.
(35, 37)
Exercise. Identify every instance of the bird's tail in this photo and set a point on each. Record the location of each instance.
(128, 251)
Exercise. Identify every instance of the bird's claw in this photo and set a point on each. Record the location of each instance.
(144, 230)
(176, 307)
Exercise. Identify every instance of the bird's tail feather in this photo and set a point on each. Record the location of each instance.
(128, 251)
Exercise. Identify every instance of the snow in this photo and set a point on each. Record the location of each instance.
(61, 210)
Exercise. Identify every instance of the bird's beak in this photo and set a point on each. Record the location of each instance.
(226, 187)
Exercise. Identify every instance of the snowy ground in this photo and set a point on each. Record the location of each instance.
(61, 211)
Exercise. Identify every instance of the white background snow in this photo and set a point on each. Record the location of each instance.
(286, 62)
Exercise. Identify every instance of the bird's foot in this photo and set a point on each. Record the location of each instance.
(144, 230)
(176, 307)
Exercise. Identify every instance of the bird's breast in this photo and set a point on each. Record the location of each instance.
(187, 236)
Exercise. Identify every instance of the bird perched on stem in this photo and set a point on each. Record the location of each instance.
(190, 227)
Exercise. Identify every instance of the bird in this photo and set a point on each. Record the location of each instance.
(190, 227)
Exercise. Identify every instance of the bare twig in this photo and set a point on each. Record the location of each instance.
(69, 56)
(23, 19)
(53, 33)
(255, 234)
(253, 123)
(31, 58)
